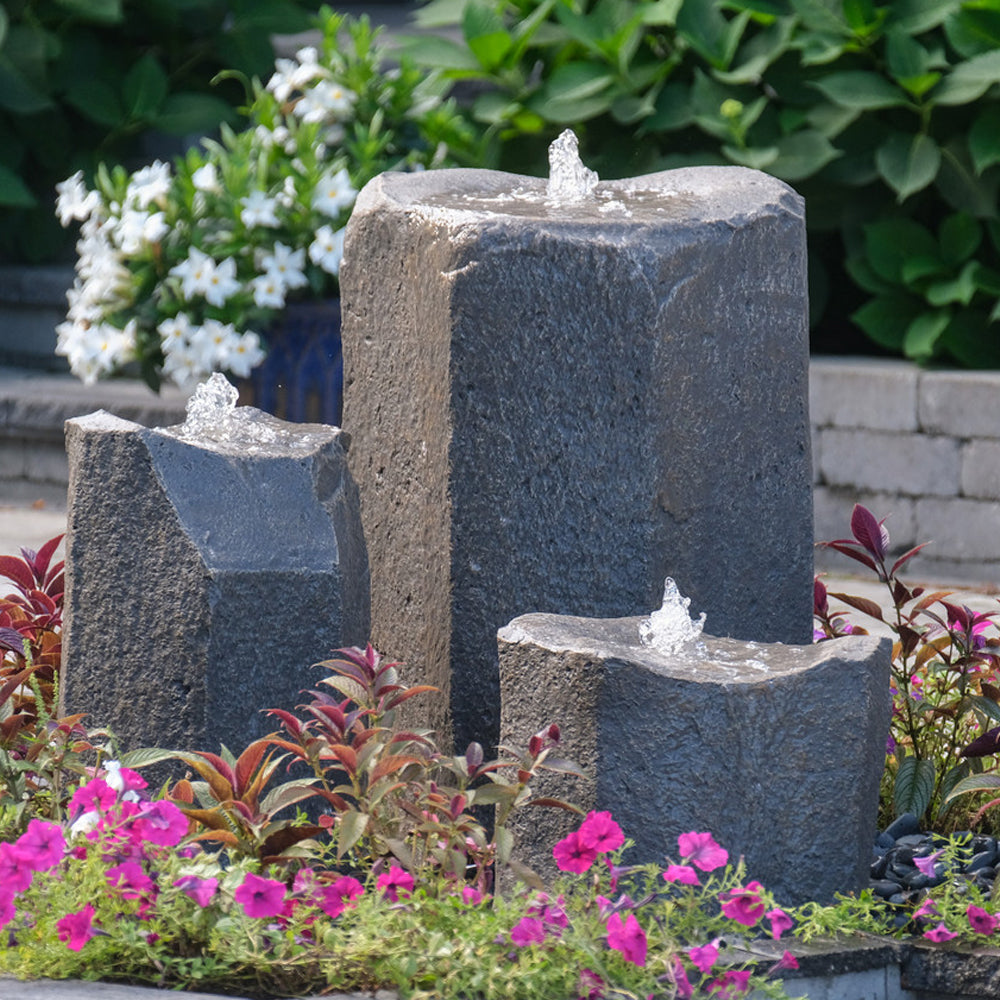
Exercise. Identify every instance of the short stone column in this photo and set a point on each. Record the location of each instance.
(553, 408)
(204, 578)
(776, 750)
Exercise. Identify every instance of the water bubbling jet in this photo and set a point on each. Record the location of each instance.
(671, 630)
(213, 417)
(569, 179)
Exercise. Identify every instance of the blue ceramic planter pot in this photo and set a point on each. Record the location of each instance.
(302, 377)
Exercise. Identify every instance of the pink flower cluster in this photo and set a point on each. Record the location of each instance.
(106, 810)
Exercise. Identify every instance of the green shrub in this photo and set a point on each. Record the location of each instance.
(86, 80)
(886, 117)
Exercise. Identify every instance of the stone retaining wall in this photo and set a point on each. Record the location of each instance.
(919, 447)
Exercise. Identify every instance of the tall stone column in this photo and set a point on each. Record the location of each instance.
(553, 408)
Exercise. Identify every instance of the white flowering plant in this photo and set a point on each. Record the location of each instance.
(182, 267)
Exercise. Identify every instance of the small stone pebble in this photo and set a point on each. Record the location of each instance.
(894, 875)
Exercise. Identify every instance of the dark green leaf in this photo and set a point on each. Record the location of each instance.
(13, 191)
(890, 243)
(973, 32)
(906, 57)
(757, 54)
(959, 236)
(439, 53)
(973, 340)
(97, 11)
(505, 844)
(860, 89)
(984, 138)
(802, 154)
(97, 101)
(144, 757)
(350, 830)
(817, 16)
(485, 35)
(886, 318)
(962, 188)
(4, 24)
(914, 786)
(950, 780)
(922, 334)
(672, 110)
(190, 114)
(577, 80)
(974, 783)
(861, 273)
(145, 87)
(17, 93)
(662, 12)
(713, 37)
(757, 157)
(958, 289)
(918, 16)
(820, 49)
(908, 163)
(439, 13)
(969, 79)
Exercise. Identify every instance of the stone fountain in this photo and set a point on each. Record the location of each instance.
(560, 395)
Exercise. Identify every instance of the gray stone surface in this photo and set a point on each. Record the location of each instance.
(913, 464)
(871, 393)
(981, 469)
(552, 409)
(204, 579)
(777, 750)
(962, 403)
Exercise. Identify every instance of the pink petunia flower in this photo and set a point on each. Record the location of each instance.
(76, 929)
(7, 907)
(730, 985)
(130, 879)
(743, 905)
(41, 846)
(335, 898)
(981, 921)
(471, 896)
(787, 962)
(162, 823)
(15, 873)
(682, 985)
(201, 890)
(393, 882)
(926, 864)
(95, 796)
(627, 937)
(682, 874)
(704, 956)
(939, 933)
(572, 855)
(590, 986)
(600, 832)
(261, 897)
(528, 930)
(780, 922)
(927, 909)
(701, 850)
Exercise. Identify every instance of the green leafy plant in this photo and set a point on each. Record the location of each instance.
(944, 677)
(181, 269)
(387, 795)
(93, 80)
(885, 116)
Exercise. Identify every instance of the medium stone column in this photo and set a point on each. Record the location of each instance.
(776, 750)
(554, 408)
(204, 578)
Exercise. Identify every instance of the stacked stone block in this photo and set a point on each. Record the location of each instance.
(919, 447)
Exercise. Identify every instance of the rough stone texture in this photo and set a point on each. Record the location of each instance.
(873, 394)
(960, 529)
(204, 579)
(981, 469)
(964, 404)
(554, 409)
(939, 972)
(780, 761)
(877, 461)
